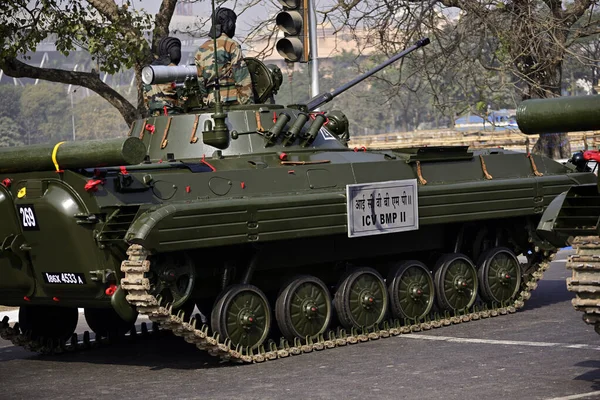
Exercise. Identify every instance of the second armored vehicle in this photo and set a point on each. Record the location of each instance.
(573, 217)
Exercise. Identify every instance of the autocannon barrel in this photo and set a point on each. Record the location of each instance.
(155, 74)
(559, 114)
(323, 98)
(72, 155)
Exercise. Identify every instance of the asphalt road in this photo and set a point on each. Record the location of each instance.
(544, 351)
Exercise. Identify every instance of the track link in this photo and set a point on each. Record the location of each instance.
(585, 281)
(77, 343)
(138, 287)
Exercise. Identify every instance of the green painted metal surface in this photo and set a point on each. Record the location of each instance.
(69, 155)
(562, 114)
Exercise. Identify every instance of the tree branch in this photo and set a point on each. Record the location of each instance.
(162, 20)
(17, 69)
(578, 8)
(107, 8)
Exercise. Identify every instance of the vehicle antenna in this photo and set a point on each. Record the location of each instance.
(217, 135)
(217, 88)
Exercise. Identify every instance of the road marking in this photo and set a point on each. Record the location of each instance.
(577, 396)
(501, 342)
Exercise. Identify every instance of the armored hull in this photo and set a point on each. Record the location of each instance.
(272, 226)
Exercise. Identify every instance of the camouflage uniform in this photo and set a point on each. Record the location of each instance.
(159, 96)
(235, 81)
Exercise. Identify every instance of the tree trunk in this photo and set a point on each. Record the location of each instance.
(404, 120)
(162, 21)
(553, 145)
(141, 106)
(417, 119)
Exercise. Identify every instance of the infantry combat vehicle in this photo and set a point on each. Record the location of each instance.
(266, 219)
(573, 216)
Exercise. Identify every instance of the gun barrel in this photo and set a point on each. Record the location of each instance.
(559, 114)
(323, 98)
(155, 74)
(72, 155)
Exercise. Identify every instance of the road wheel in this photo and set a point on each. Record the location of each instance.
(455, 282)
(48, 322)
(410, 287)
(172, 276)
(499, 275)
(361, 299)
(303, 308)
(242, 314)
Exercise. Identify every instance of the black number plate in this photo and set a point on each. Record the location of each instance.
(29, 220)
(64, 278)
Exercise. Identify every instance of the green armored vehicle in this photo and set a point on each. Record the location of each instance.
(265, 219)
(573, 216)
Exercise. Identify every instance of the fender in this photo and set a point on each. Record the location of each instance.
(545, 228)
(217, 222)
(567, 215)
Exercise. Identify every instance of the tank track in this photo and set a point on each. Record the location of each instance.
(138, 288)
(585, 281)
(21, 339)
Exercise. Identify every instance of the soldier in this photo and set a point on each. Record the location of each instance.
(234, 78)
(162, 98)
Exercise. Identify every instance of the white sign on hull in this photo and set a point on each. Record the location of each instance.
(382, 207)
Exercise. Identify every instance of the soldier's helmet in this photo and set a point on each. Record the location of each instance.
(169, 51)
(223, 22)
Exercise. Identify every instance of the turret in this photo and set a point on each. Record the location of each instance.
(274, 125)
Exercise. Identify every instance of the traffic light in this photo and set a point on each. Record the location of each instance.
(293, 21)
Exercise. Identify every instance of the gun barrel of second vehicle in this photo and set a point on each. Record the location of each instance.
(559, 114)
(156, 74)
(323, 98)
